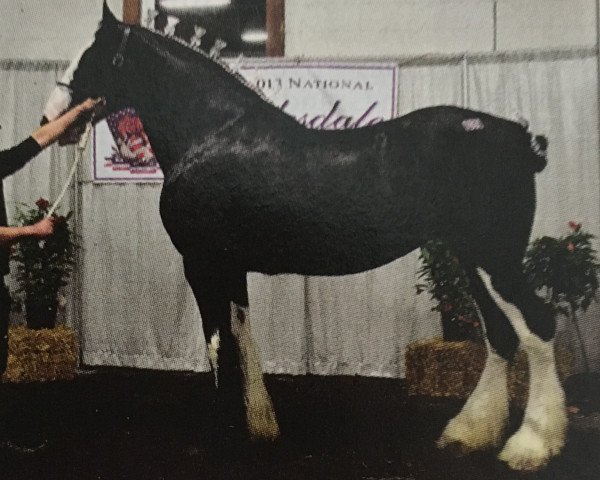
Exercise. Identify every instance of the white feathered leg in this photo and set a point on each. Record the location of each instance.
(482, 420)
(260, 416)
(542, 433)
(213, 354)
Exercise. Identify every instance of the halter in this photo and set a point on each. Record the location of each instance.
(118, 59)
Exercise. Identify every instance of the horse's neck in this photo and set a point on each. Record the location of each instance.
(191, 114)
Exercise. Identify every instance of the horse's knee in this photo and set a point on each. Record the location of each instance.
(517, 294)
(499, 332)
(539, 317)
(501, 335)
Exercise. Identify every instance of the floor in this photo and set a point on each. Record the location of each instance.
(142, 425)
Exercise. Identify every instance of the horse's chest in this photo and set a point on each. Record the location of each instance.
(201, 211)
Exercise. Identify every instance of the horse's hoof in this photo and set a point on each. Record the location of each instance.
(262, 423)
(454, 448)
(464, 435)
(528, 451)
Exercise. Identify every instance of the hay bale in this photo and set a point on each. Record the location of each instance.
(41, 355)
(438, 368)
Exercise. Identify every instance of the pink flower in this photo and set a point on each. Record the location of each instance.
(574, 226)
(570, 247)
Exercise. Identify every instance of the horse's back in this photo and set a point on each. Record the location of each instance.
(342, 202)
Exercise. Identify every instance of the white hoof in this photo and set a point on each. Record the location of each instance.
(261, 420)
(466, 435)
(528, 450)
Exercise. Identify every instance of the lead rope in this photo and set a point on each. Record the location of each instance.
(81, 146)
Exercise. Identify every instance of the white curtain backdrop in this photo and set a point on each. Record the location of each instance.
(560, 100)
(24, 90)
(130, 301)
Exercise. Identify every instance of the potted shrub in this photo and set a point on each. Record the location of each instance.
(565, 271)
(43, 267)
(447, 366)
(448, 285)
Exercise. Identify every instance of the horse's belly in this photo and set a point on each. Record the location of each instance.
(290, 232)
(335, 245)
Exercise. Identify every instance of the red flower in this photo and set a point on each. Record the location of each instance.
(574, 226)
(42, 204)
(570, 247)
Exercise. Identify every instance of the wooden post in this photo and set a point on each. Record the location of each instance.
(131, 11)
(275, 21)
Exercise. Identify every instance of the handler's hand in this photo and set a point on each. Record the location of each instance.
(69, 126)
(43, 229)
(75, 126)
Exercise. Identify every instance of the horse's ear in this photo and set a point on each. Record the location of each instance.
(108, 17)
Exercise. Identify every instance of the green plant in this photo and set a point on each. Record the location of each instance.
(448, 285)
(43, 266)
(565, 271)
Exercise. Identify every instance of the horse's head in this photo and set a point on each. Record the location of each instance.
(94, 72)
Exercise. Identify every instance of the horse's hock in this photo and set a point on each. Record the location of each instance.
(439, 368)
(41, 355)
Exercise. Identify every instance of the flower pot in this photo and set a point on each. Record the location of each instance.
(453, 331)
(40, 314)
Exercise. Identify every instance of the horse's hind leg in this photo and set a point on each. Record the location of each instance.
(542, 433)
(481, 422)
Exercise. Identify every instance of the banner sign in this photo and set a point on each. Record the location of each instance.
(122, 151)
(329, 96)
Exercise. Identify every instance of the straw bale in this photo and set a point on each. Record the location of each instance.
(438, 368)
(41, 355)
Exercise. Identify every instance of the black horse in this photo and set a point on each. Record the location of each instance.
(247, 188)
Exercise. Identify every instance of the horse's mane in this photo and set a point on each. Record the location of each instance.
(220, 64)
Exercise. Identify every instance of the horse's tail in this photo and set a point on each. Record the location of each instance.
(539, 157)
(538, 146)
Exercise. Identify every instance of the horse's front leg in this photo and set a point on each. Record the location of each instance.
(214, 303)
(260, 415)
(234, 356)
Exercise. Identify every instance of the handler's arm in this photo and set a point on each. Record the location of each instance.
(14, 158)
(52, 131)
(42, 229)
